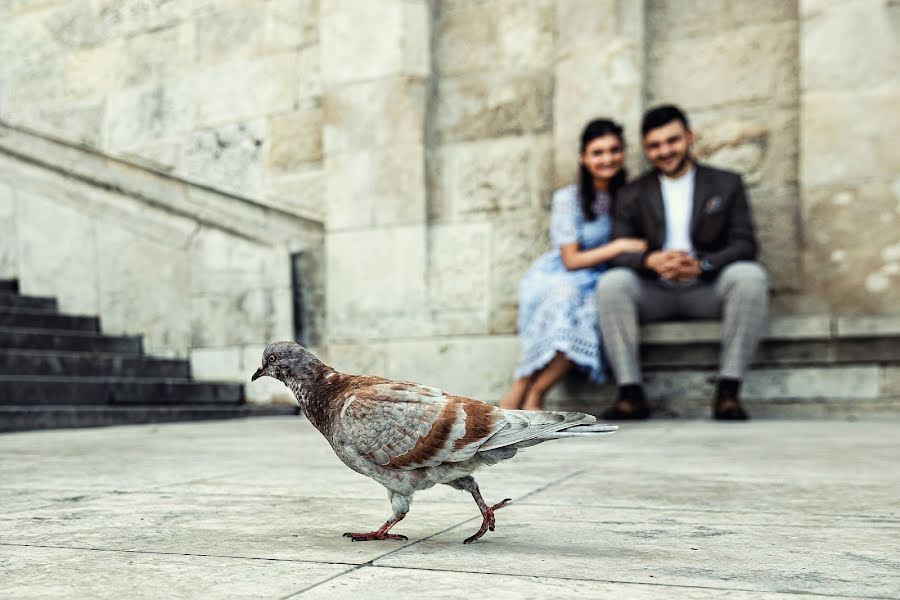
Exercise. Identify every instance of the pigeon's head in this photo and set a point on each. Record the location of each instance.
(284, 360)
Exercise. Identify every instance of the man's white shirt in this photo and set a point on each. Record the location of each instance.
(678, 200)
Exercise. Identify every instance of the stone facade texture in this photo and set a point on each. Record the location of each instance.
(426, 138)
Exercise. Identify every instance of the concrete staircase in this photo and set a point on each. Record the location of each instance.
(807, 366)
(58, 370)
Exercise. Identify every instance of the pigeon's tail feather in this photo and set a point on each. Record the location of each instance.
(527, 428)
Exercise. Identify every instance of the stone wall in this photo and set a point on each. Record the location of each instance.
(428, 137)
(199, 274)
(849, 154)
(225, 93)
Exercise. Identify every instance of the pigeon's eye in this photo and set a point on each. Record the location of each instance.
(271, 358)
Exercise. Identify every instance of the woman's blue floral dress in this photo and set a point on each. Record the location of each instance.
(557, 307)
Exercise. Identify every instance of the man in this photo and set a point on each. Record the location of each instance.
(699, 264)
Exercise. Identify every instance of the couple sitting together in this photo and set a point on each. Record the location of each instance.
(677, 242)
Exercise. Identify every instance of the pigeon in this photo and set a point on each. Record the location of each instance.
(410, 437)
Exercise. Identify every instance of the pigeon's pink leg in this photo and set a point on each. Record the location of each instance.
(487, 512)
(380, 534)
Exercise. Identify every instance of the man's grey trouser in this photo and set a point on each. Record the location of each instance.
(739, 296)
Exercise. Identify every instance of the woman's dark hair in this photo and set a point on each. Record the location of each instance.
(586, 192)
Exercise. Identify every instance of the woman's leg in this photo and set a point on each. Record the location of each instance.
(516, 394)
(553, 372)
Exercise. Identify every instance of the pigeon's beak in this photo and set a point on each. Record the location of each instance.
(259, 373)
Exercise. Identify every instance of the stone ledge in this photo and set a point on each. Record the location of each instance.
(242, 216)
(788, 327)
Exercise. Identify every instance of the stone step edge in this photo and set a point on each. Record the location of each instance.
(67, 332)
(781, 327)
(104, 379)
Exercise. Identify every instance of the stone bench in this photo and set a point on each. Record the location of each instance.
(806, 366)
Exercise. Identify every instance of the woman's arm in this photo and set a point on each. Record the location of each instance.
(574, 258)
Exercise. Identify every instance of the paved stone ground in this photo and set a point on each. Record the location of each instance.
(255, 509)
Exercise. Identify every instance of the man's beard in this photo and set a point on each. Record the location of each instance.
(678, 168)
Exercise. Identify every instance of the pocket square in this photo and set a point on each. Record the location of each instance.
(713, 204)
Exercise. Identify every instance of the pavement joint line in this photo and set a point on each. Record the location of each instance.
(371, 563)
(623, 581)
(164, 553)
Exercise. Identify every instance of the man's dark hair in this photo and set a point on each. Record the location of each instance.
(662, 115)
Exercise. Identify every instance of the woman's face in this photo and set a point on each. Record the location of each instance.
(604, 157)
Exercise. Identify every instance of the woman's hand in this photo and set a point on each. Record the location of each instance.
(630, 245)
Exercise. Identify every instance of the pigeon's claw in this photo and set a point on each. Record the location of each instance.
(488, 522)
(375, 535)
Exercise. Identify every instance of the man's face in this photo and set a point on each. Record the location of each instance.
(669, 148)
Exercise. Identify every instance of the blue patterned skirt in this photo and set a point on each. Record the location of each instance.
(558, 313)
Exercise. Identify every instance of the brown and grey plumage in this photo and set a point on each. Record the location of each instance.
(409, 437)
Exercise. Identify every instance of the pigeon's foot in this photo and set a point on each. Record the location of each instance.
(375, 535)
(488, 522)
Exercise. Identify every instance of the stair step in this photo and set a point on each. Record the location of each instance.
(9, 285)
(88, 364)
(45, 319)
(35, 390)
(9, 299)
(23, 418)
(870, 389)
(776, 352)
(68, 340)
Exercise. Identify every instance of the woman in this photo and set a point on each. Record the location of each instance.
(557, 312)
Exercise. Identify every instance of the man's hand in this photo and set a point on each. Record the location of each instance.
(673, 265)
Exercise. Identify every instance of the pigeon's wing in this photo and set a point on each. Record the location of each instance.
(408, 426)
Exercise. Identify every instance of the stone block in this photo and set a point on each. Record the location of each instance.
(781, 327)
(291, 24)
(778, 230)
(376, 283)
(751, 64)
(219, 364)
(851, 276)
(124, 17)
(890, 381)
(374, 113)
(223, 90)
(357, 359)
(143, 290)
(309, 77)
(599, 80)
(581, 22)
(493, 177)
(675, 19)
(224, 33)
(57, 253)
(295, 139)
(93, 71)
(868, 325)
(364, 41)
(32, 62)
(9, 267)
(382, 186)
(868, 116)
(494, 36)
(242, 316)
(222, 263)
(514, 246)
(477, 367)
(302, 194)
(157, 55)
(478, 106)
(79, 123)
(230, 157)
(458, 267)
(139, 116)
(849, 45)
(760, 142)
